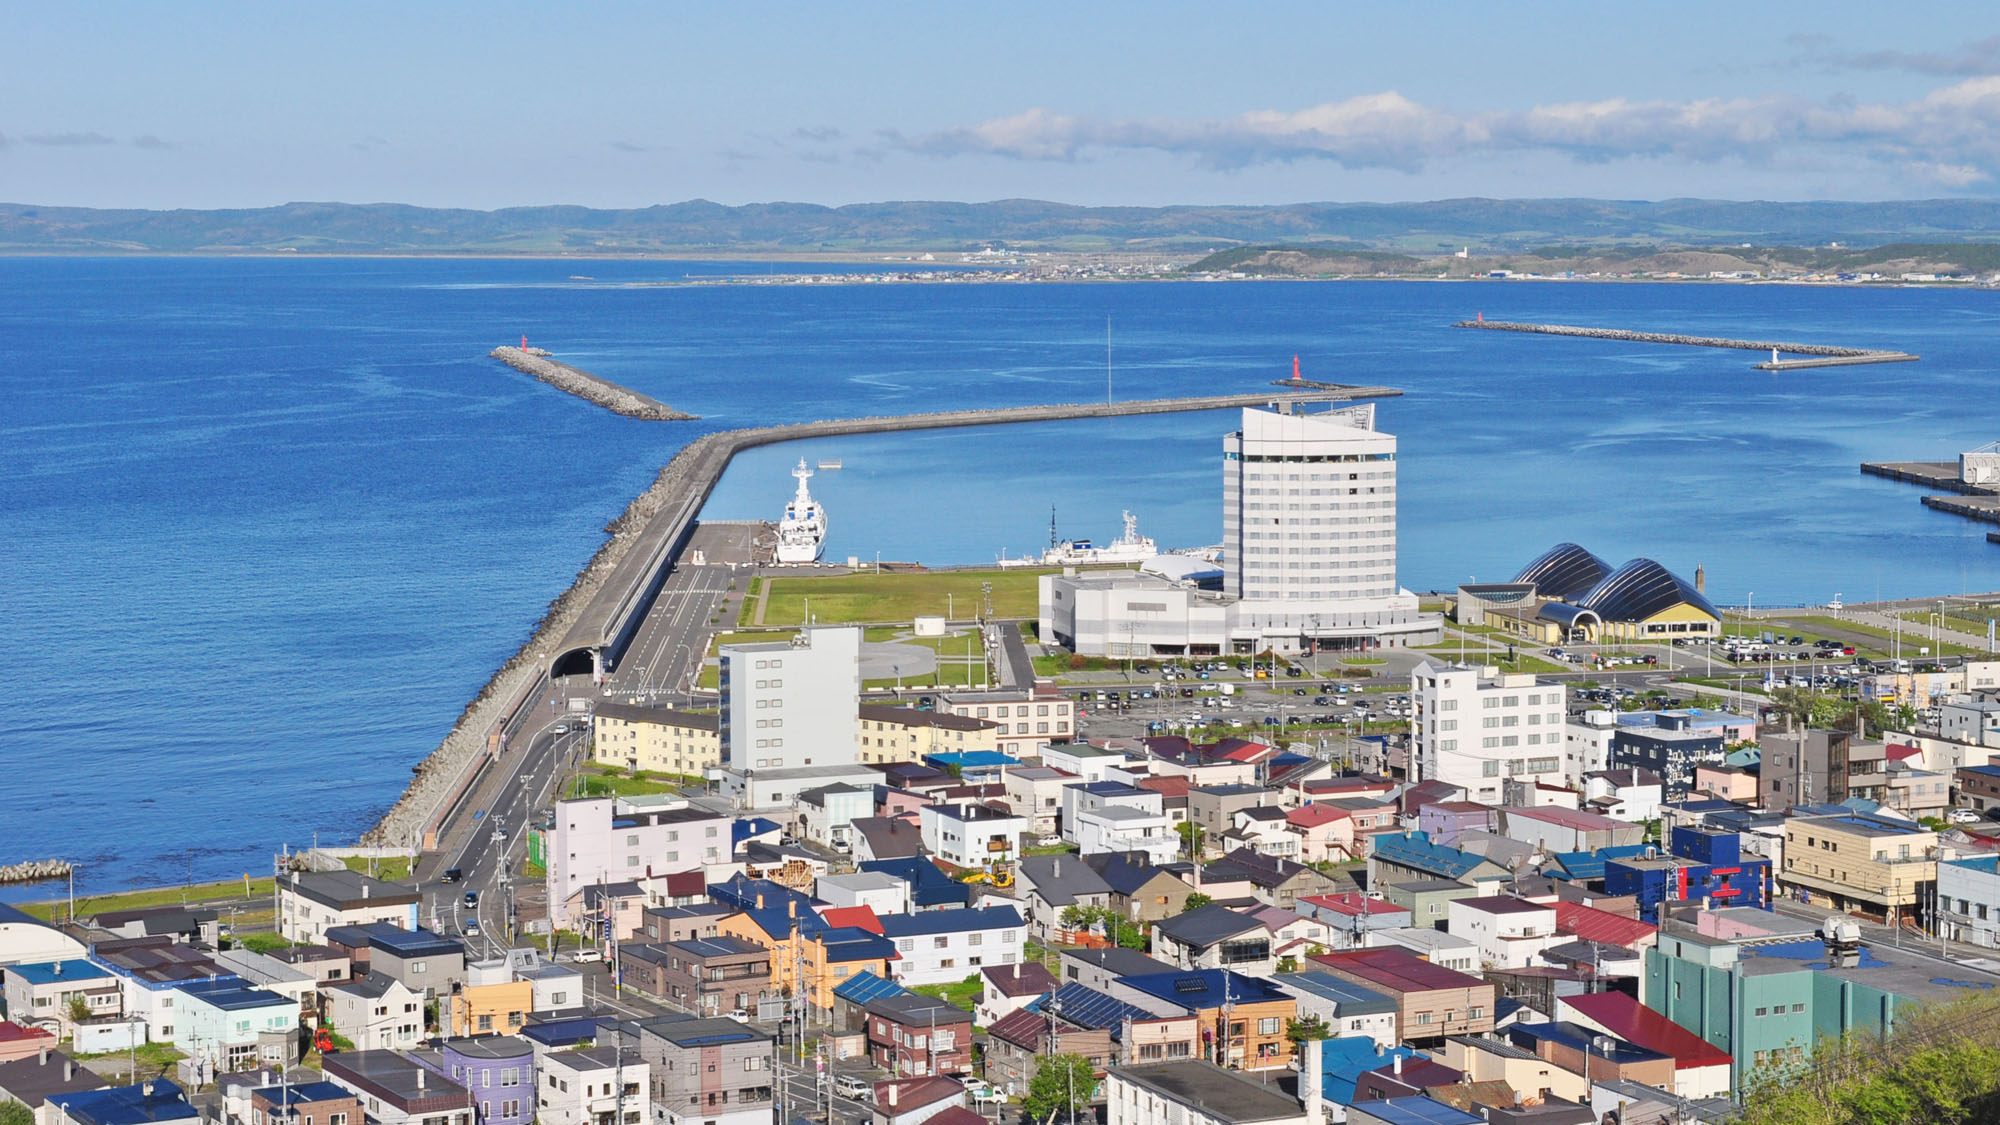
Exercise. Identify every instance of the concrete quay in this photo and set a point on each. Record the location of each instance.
(1829, 355)
(584, 385)
(596, 616)
(1931, 474)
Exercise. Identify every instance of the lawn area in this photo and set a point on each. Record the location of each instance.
(616, 783)
(394, 868)
(1052, 849)
(86, 905)
(1525, 663)
(262, 943)
(899, 596)
(964, 994)
(1912, 640)
(149, 1056)
(1063, 663)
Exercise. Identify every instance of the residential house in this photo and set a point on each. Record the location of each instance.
(311, 903)
(1511, 933)
(1445, 821)
(1701, 1069)
(46, 1074)
(1978, 787)
(425, 962)
(716, 976)
(1264, 829)
(1551, 828)
(1035, 794)
(1591, 1054)
(1435, 946)
(157, 1101)
(491, 1001)
(1018, 1041)
(1411, 856)
(497, 1070)
(930, 888)
(1197, 1093)
(1632, 794)
(397, 1090)
(1347, 1009)
(706, 1070)
(19, 1042)
(806, 953)
(878, 838)
(1095, 969)
(1242, 1019)
(1215, 937)
(598, 1086)
(1433, 1001)
(1173, 793)
(946, 946)
(829, 812)
(1052, 884)
(1326, 833)
(1125, 830)
(271, 975)
(50, 995)
(1428, 900)
(1081, 759)
(596, 841)
(150, 971)
(970, 836)
(195, 925)
(1968, 897)
(323, 963)
(878, 891)
(1096, 796)
(1481, 1059)
(679, 923)
(376, 1012)
(1212, 809)
(914, 1101)
(1275, 880)
(1141, 890)
(604, 911)
(1590, 924)
(306, 1103)
(914, 1035)
(1006, 989)
(1348, 916)
(1813, 767)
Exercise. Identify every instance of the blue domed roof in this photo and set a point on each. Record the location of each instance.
(1565, 572)
(1640, 589)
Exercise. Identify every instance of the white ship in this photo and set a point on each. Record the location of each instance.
(802, 533)
(1130, 547)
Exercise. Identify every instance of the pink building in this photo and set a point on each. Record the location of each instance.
(1446, 821)
(1324, 832)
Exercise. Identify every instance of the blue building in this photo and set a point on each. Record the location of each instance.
(1701, 865)
(144, 1104)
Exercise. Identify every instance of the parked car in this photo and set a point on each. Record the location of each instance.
(852, 1086)
(587, 956)
(1961, 816)
(453, 874)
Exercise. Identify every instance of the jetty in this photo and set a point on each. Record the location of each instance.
(1979, 501)
(1818, 355)
(584, 385)
(588, 624)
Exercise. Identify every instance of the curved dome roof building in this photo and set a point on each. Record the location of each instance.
(1642, 590)
(1565, 572)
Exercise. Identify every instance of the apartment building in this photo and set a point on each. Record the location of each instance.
(1857, 862)
(397, 1090)
(707, 1071)
(792, 704)
(1511, 933)
(946, 946)
(1816, 767)
(655, 739)
(595, 841)
(1968, 895)
(1023, 720)
(1477, 728)
(598, 1086)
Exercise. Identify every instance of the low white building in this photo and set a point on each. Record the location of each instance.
(1631, 794)
(884, 894)
(1510, 933)
(311, 903)
(1117, 829)
(1195, 1092)
(1969, 897)
(1094, 796)
(592, 1087)
(1087, 762)
(970, 835)
(1035, 793)
(1440, 948)
(225, 1022)
(947, 946)
(1587, 745)
(377, 1012)
(269, 973)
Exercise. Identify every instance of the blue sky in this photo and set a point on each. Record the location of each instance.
(625, 105)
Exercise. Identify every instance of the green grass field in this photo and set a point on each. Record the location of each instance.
(86, 905)
(394, 868)
(965, 994)
(899, 596)
(614, 783)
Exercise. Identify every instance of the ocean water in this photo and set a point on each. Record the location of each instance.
(267, 525)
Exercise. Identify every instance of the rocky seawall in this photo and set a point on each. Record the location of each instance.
(34, 871)
(584, 385)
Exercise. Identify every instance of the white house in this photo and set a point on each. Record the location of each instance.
(311, 903)
(1264, 829)
(970, 835)
(882, 893)
(377, 1012)
(1091, 796)
(947, 946)
(221, 1021)
(1082, 759)
(596, 841)
(1196, 1092)
(1475, 728)
(1631, 794)
(1968, 893)
(1509, 932)
(829, 813)
(1587, 745)
(1035, 792)
(1436, 946)
(1118, 829)
(582, 1087)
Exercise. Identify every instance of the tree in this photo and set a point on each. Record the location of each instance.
(1197, 900)
(79, 1009)
(1940, 1065)
(1307, 1028)
(16, 1113)
(1062, 1086)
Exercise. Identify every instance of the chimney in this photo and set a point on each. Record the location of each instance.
(146, 1089)
(69, 1070)
(57, 971)
(892, 1095)
(760, 900)
(420, 1076)
(1399, 1066)
(1055, 869)
(44, 1059)
(364, 890)
(1309, 1081)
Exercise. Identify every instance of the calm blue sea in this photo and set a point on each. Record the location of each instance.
(265, 526)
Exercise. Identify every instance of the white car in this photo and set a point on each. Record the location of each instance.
(586, 956)
(852, 1086)
(1961, 816)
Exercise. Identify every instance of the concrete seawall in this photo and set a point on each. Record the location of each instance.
(1828, 354)
(584, 385)
(627, 569)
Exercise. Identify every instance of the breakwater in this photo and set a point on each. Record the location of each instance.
(1827, 355)
(610, 592)
(584, 385)
(34, 871)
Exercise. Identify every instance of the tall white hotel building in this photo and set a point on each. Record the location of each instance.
(1309, 555)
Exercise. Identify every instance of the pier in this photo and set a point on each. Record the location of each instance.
(584, 385)
(589, 623)
(1822, 355)
(1981, 502)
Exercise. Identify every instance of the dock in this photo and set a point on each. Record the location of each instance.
(1820, 355)
(1941, 475)
(588, 387)
(1985, 509)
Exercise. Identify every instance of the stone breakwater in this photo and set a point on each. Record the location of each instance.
(34, 871)
(1830, 354)
(584, 385)
(604, 590)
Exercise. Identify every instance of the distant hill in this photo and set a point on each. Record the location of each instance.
(1580, 227)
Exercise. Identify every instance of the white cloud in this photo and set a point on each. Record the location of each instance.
(1954, 131)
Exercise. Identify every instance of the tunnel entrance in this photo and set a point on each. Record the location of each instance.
(575, 662)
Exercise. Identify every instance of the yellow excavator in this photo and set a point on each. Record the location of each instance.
(999, 875)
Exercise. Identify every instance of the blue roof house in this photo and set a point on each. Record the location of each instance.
(947, 946)
(219, 1022)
